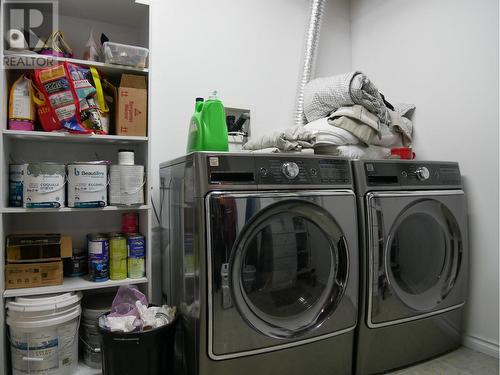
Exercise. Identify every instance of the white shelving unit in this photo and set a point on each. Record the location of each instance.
(123, 21)
(20, 210)
(110, 69)
(71, 138)
(71, 284)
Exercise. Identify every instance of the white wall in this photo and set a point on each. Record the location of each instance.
(250, 51)
(334, 50)
(442, 55)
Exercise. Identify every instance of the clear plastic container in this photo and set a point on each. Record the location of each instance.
(124, 54)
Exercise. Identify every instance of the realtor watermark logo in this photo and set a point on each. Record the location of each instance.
(27, 25)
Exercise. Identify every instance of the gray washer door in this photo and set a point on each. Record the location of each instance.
(417, 254)
(282, 269)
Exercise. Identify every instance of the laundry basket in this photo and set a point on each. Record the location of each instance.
(149, 352)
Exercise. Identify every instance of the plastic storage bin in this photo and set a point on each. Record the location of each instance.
(124, 54)
(148, 352)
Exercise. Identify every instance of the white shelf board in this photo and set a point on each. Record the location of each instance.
(69, 137)
(83, 369)
(20, 210)
(71, 284)
(106, 68)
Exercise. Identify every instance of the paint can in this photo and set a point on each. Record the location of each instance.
(130, 222)
(43, 185)
(87, 185)
(77, 265)
(16, 177)
(117, 256)
(126, 185)
(136, 246)
(98, 255)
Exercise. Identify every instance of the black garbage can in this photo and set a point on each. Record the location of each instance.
(149, 352)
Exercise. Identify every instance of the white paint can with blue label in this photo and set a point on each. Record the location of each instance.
(16, 178)
(43, 185)
(87, 185)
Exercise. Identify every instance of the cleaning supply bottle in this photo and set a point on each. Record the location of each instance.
(208, 130)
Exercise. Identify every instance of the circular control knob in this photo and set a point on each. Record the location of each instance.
(290, 170)
(422, 173)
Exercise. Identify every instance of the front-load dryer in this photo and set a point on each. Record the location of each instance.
(263, 258)
(414, 262)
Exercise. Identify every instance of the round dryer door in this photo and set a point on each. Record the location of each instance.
(417, 255)
(423, 254)
(289, 268)
(422, 251)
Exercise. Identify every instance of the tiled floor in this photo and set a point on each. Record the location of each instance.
(460, 362)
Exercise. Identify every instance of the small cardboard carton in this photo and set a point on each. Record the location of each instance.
(132, 109)
(32, 275)
(31, 248)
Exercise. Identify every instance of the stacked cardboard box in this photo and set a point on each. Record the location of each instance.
(36, 260)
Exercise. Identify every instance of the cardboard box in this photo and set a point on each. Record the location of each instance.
(132, 109)
(33, 274)
(30, 248)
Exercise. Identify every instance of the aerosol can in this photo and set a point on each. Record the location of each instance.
(208, 130)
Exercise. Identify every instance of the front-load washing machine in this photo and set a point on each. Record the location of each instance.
(414, 262)
(262, 255)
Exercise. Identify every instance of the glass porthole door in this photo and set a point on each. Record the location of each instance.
(417, 247)
(288, 268)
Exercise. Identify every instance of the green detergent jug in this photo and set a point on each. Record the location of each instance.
(208, 130)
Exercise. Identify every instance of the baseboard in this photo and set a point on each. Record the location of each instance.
(482, 345)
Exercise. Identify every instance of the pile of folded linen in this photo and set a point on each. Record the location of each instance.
(346, 116)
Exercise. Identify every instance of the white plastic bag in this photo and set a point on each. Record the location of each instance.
(93, 49)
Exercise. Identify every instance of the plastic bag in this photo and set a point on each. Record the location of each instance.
(91, 97)
(61, 95)
(93, 50)
(57, 46)
(101, 124)
(130, 312)
(21, 104)
(125, 299)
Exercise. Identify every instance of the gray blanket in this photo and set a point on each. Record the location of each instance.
(322, 96)
(292, 139)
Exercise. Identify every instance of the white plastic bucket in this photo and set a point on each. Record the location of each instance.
(43, 334)
(87, 185)
(89, 333)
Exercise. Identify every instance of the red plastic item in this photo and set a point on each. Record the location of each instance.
(403, 152)
(130, 223)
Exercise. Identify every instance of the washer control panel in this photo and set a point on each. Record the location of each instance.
(302, 171)
(412, 173)
(284, 170)
(290, 169)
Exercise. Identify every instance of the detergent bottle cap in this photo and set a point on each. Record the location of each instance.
(213, 96)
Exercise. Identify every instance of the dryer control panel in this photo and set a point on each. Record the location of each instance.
(412, 173)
